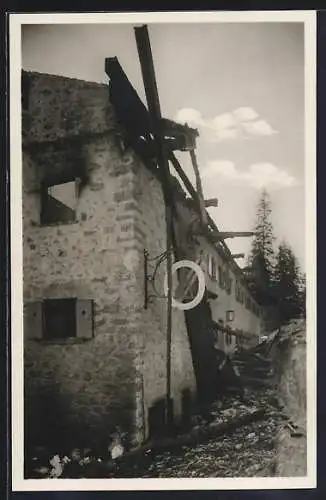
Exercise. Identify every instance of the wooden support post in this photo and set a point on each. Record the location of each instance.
(148, 73)
(173, 159)
(203, 215)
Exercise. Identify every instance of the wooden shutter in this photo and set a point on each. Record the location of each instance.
(33, 320)
(85, 318)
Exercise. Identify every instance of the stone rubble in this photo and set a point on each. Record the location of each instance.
(272, 445)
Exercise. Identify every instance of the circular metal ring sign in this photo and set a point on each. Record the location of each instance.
(201, 284)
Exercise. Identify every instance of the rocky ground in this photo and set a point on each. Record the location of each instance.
(247, 451)
(235, 451)
(292, 453)
(264, 436)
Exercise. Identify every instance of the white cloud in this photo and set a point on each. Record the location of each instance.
(190, 116)
(224, 121)
(240, 123)
(259, 127)
(245, 114)
(224, 134)
(257, 176)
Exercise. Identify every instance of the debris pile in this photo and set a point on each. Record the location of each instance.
(292, 394)
(262, 434)
(236, 429)
(255, 369)
(264, 364)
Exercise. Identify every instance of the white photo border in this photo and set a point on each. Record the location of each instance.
(17, 402)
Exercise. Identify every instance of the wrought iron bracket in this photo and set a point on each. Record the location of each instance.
(151, 265)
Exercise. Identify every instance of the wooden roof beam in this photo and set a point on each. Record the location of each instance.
(222, 235)
(211, 202)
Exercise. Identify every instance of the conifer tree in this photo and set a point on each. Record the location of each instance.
(262, 252)
(289, 284)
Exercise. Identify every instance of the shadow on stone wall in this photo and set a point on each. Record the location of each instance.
(46, 419)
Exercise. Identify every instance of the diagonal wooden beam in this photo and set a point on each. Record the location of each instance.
(187, 281)
(175, 162)
(203, 213)
(222, 235)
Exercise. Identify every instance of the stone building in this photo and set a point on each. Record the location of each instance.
(95, 353)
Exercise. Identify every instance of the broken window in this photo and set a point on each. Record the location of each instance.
(59, 202)
(58, 319)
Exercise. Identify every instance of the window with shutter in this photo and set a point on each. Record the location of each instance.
(58, 319)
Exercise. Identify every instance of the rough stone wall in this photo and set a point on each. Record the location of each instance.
(57, 107)
(88, 259)
(78, 391)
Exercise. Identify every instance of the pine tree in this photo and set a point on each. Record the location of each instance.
(262, 252)
(289, 284)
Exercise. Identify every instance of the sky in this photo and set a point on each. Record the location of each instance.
(240, 84)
